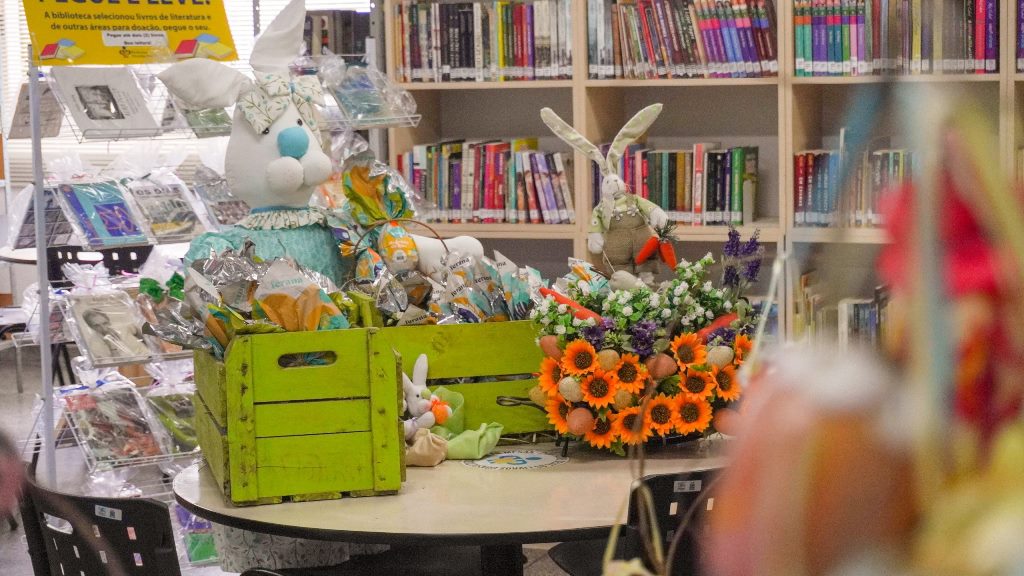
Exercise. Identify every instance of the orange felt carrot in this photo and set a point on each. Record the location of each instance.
(720, 322)
(578, 311)
(648, 250)
(667, 253)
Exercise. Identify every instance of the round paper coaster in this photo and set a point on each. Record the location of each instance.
(517, 460)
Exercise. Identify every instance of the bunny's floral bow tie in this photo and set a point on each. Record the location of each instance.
(262, 106)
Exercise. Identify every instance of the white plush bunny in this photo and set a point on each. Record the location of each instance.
(621, 222)
(274, 159)
(424, 408)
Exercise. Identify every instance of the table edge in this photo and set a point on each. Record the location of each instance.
(363, 537)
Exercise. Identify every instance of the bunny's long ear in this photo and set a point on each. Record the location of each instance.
(202, 83)
(570, 136)
(632, 130)
(280, 43)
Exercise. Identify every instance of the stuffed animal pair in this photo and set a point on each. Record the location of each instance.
(275, 158)
(621, 222)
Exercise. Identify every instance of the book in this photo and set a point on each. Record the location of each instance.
(186, 48)
(222, 206)
(100, 213)
(165, 210)
(208, 123)
(50, 114)
(58, 229)
(105, 102)
(493, 41)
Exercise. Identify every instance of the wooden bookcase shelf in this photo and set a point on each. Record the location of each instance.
(781, 115)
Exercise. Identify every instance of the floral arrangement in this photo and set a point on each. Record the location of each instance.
(625, 362)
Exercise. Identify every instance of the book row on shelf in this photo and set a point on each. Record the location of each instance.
(478, 41)
(860, 322)
(705, 185)
(1020, 35)
(492, 182)
(822, 197)
(335, 32)
(864, 37)
(640, 39)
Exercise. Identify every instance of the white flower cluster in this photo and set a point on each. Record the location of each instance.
(690, 299)
(557, 319)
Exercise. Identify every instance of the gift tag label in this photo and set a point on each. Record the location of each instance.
(110, 513)
(686, 486)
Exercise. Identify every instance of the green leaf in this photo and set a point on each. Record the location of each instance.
(661, 344)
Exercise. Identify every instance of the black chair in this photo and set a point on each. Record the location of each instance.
(83, 535)
(410, 560)
(673, 496)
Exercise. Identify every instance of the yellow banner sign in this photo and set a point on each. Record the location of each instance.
(127, 31)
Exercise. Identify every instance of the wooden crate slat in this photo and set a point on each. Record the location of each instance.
(488, 349)
(211, 438)
(386, 382)
(210, 379)
(320, 417)
(345, 378)
(241, 421)
(290, 465)
(481, 406)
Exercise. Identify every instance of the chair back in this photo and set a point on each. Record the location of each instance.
(72, 535)
(673, 495)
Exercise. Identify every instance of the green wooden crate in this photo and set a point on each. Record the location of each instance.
(494, 349)
(303, 433)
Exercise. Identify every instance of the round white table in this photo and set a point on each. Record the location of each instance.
(458, 504)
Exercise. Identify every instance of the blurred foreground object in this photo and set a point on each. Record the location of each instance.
(818, 475)
(839, 468)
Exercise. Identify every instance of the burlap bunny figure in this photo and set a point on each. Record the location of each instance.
(621, 222)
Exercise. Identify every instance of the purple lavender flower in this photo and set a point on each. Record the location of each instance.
(752, 246)
(642, 337)
(730, 277)
(724, 335)
(595, 334)
(751, 268)
(732, 245)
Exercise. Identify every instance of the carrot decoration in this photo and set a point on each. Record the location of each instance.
(661, 244)
(667, 253)
(578, 310)
(720, 322)
(648, 250)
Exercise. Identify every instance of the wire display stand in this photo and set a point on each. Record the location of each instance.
(170, 116)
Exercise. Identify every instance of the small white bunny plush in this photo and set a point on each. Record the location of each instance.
(621, 222)
(425, 409)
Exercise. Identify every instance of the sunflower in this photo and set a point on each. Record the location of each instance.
(742, 346)
(688, 349)
(579, 358)
(694, 414)
(698, 383)
(603, 433)
(599, 389)
(550, 374)
(631, 374)
(728, 385)
(660, 417)
(558, 409)
(626, 426)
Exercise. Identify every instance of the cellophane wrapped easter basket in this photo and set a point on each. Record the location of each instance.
(625, 366)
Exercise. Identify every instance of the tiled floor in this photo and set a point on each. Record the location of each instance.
(16, 420)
